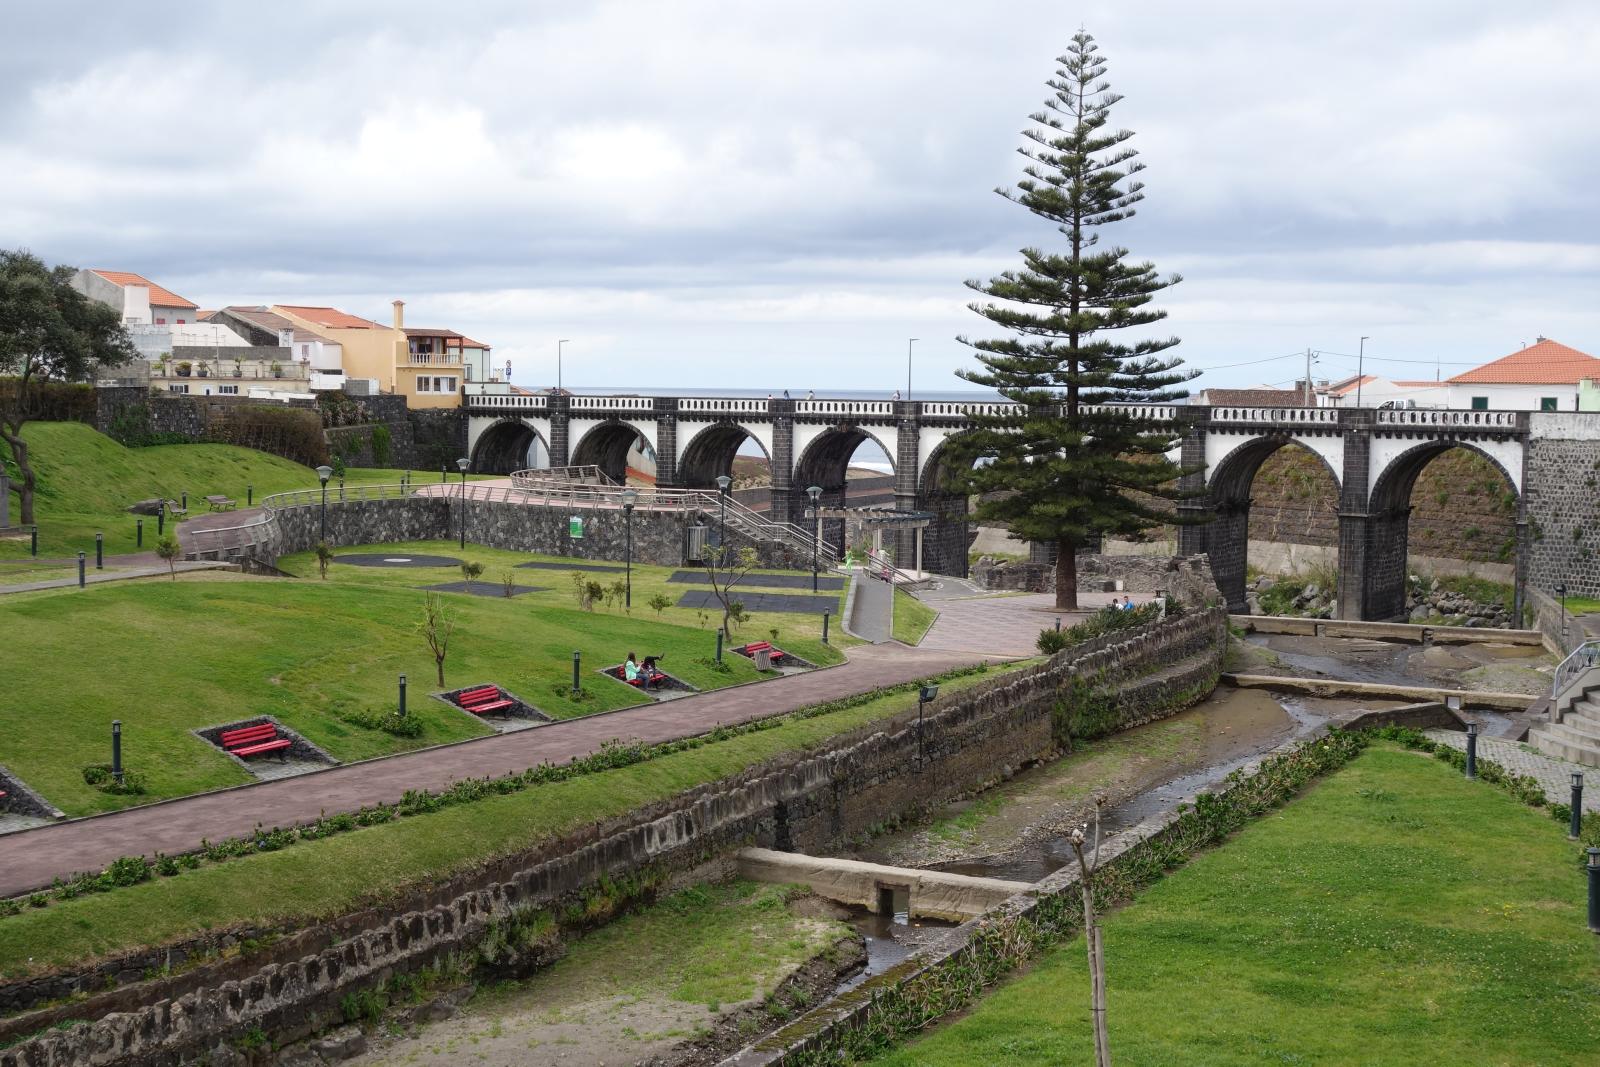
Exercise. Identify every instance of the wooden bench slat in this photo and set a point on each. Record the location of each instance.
(249, 733)
(481, 708)
(267, 746)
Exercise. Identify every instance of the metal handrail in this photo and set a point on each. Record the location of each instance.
(880, 566)
(1582, 659)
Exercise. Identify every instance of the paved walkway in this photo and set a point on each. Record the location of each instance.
(94, 577)
(31, 859)
(999, 624)
(1554, 774)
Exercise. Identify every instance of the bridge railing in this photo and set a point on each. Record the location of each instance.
(508, 401)
(1317, 416)
(847, 408)
(611, 403)
(716, 405)
(589, 473)
(1425, 417)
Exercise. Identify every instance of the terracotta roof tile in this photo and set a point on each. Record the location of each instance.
(1544, 362)
(159, 297)
(332, 318)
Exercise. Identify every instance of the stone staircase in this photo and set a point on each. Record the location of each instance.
(1576, 738)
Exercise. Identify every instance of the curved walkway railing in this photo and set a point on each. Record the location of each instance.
(1583, 658)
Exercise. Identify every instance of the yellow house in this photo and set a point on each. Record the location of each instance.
(427, 379)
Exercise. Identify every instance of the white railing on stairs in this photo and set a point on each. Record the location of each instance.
(1583, 658)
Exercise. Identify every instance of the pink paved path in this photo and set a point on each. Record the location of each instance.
(30, 859)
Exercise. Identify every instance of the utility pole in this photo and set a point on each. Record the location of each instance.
(1361, 355)
(1308, 377)
(909, 343)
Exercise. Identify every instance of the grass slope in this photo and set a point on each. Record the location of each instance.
(912, 618)
(172, 656)
(1396, 914)
(334, 875)
(87, 481)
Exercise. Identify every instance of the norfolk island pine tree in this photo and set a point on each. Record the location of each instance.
(1063, 470)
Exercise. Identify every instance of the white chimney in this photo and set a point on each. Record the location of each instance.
(399, 314)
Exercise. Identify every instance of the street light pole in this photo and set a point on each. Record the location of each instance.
(629, 496)
(1361, 356)
(323, 474)
(909, 343)
(558, 363)
(815, 493)
(463, 464)
(1561, 591)
(723, 481)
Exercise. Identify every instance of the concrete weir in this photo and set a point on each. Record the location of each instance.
(929, 894)
(1337, 687)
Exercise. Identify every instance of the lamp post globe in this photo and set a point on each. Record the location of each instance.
(723, 481)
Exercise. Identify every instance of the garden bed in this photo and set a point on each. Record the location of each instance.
(670, 688)
(519, 716)
(299, 758)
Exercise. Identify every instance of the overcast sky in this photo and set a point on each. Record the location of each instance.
(773, 195)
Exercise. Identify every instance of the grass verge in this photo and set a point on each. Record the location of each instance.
(912, 618)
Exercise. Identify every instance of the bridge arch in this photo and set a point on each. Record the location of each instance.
(948, 538)
(1229, 485)
(825, 462)
(710, 453)
(606, 444)
(507, 445)
(1388, 527)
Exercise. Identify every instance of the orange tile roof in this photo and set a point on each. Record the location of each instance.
(159, 297)
(1349, 385)
(332, 318)
(1544, 362)
(1415, 384)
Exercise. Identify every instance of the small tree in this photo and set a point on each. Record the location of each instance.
(324, 558)
(616, 593)
(436, 627)
(1087, 866)
(508, 581)
(167, 548)
(471, 572)
(725, 568)
(659, 603)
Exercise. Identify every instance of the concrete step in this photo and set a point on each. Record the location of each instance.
(1545, 740)
(1589, 706)
(1579, 726)
(1574, 732)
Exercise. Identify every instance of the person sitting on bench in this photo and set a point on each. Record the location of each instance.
(651, 673)
(630, 671)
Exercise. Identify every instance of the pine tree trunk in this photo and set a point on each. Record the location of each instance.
(25, 487)
(1066, 576)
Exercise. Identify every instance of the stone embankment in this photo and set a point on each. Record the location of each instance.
(297, 983)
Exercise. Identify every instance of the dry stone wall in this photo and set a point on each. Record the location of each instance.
(292, 987)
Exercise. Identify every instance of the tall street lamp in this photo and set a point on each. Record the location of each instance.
(815, 493)
(1561, 591)
(558, 363)
(323, 474)
(629, 498)
(909, 342)
(463, 464)
(723, 481)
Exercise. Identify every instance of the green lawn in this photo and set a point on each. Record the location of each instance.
(87, 481)
(1396, 914)
(912, 618)
(172, 656)
(334, 875)
(1583, 605)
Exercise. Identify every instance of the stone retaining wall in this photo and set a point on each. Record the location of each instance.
(1186, 578)
(291, 987)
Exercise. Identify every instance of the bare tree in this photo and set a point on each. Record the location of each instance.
(167, 548)
(725, 568)
(1087, 865)
(324, 558)
(436, 627)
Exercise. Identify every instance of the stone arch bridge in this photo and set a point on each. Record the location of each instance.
(1373, 455)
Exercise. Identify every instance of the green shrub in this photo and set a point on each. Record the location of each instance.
(382, 445)
(1051, 640)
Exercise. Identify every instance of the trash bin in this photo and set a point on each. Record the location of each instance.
(763, 659)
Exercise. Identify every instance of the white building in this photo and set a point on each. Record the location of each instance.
(1542, 377)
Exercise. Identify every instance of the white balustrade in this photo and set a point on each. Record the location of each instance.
(880, 408)
(723, 406)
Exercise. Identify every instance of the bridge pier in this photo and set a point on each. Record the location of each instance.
(907, 471)
(782, 507)
(560, 431)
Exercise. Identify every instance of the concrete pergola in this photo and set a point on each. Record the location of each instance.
(878, 519)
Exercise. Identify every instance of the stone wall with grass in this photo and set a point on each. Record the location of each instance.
(283, 985)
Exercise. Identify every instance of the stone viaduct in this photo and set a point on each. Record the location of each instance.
(1373, 455)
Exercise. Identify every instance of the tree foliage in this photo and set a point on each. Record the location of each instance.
(1073, 463)
(49, 333)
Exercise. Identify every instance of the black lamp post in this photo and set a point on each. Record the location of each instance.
(1576, 828)
(815, 493)
(116, 750)
(629, 497)
(323, 474)
(1561, 591)
(1594, 890)
(463, 464)
(925, 696)
(1472, 750)
(723, 481)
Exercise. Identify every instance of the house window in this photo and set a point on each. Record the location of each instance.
(161, 322)
(424, 385)
(305, 350)
(228, 390)
(444, 385)
(467, 372)
(1480, 403)
(1548, 403)
(180, 322)
(177, 388)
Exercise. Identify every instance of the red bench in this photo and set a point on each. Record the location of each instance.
(763, 646)
(254, 740)
(483, 700)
